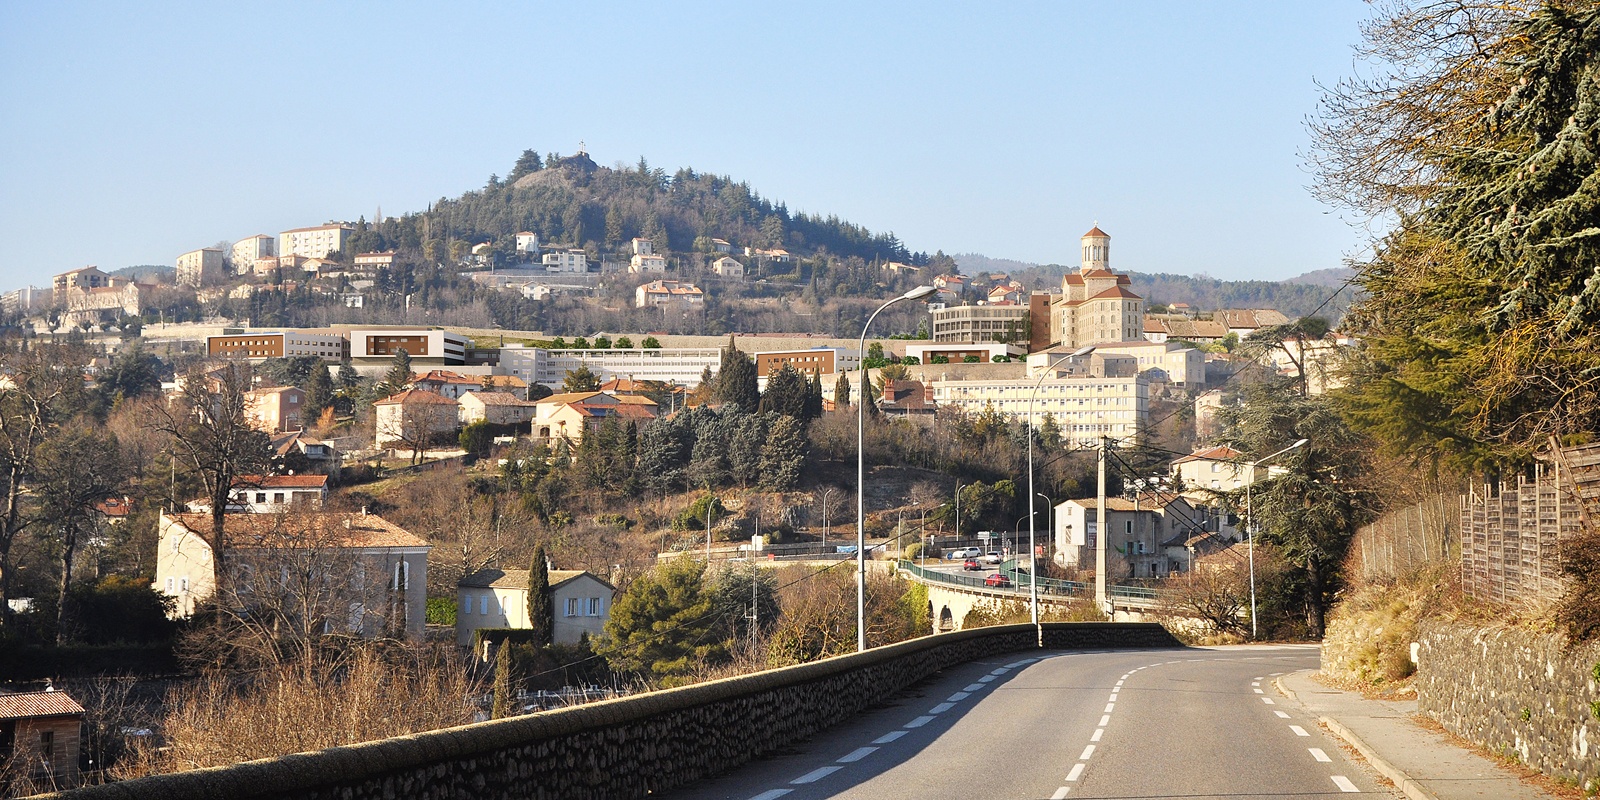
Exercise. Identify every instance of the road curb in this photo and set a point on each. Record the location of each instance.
(1405, 783)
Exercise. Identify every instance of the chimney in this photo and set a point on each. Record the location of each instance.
(363, 511)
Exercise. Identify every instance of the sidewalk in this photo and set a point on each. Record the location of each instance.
(1422, 763)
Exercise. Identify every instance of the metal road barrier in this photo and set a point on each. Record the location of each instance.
(1020, 583)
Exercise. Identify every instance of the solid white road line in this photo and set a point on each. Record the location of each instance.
(857, 754)
(1281, 714)
(1105, 720)
(1088, 750)
(1298, 731)
(889, 737)
(1061, 793)
(959, 696)
(1098, 732)
(1072, 775)
(773, 794)
(1344, 784)
(816, 775)
(941, 708)
(1316, 753)
(919, 722)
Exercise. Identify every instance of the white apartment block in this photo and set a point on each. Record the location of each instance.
(244, 252)
(1184, 367)
(666, 293)
(982, 323)
(679, 365)
(643, 247)
(198, 267)
(571, 260)
(315, 242)
(1084, 409)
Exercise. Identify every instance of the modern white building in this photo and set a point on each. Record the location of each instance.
(646, 263)
(244, 252)
(570, 260)
(1084, 408)
(315, 242)
(1183, 367)
(262, 345)
(528, 242)
(727, 267)
(428, 347)
(679, 365)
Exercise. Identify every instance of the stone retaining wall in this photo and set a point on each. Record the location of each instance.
(627, 747)
(1517, 693)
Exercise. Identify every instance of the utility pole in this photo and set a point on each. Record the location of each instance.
(1101, 593)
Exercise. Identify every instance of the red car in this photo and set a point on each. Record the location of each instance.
(970, 564)
(997, 579)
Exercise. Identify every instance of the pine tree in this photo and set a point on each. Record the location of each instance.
(319, 394)
(581, 379)
(541, 610)
(786, 393)
(747, 434)
(736, 380)
(526, 163)
(399, 375)
(708, 461)
(814, 398)
(841, 391)
(783, 456)
(504, 701)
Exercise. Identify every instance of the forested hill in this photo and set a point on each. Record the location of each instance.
(574, 202)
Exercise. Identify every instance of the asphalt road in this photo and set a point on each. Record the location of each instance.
(1182, 723)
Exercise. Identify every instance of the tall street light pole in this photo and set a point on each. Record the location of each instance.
(861, 470)
(1033, 552)
(1250, 525)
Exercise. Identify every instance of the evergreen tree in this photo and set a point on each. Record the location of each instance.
(399, 375)
(348, 377)
(814, 398)
(319, 394)
(747, 435)
(841, 391)
(541, 609)
(526, 163)
(504, 697)
(708, 462)
(581, 379)
(783, 456)
(736, 380)
(662, 626)
(786, 393)
(664, 449)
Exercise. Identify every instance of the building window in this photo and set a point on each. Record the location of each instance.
(169, 586)
(402, 576)
(483, 605)
(183, 584)
(466, 604)
(572, 606)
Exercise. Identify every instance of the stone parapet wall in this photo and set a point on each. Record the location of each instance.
(627, 747)
(1517, 693)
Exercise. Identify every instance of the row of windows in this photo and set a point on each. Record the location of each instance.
(574, 606)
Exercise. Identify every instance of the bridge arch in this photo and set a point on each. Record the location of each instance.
(947, 621)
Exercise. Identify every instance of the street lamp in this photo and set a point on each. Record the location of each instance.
(1250, 526)
(861, 470)
(1033, 558)
(825, 494)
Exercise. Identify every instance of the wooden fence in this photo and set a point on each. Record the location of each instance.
(1513, 536)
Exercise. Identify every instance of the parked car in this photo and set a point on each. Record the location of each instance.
(997, 579)
(963, 552)
(971, 564)
(993, 557)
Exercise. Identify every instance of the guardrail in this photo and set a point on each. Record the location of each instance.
(1019, 582)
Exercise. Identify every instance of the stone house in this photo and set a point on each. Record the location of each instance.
(497, 408)
(495, 598)
(414, 419)
(332, 572)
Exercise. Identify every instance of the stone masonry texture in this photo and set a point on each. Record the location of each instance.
(1522, 695)
(624, 748)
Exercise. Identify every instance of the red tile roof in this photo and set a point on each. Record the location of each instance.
(1221, 452)
(304, 529)
(282, 482)
(1095, 231)
(37, 704)
(417, 397)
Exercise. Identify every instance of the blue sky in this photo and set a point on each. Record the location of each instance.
(129, 135)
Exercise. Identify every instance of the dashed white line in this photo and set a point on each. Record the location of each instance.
(1268, 701)
(773, 794)
(1061, 793)
(1258, 691)
(1000, 671)
(1072, 775)
(1110, 707)
(1316, 753)
(1298, 731)
(816, 775)
(1113, 697)
(973, 687)
(889, 737)
(919, 722)
(1344, 784)
(1281, 714)
(1105, 720)
(1098, 732)
(941, 708)
(857, 754)
(958, 697)
(986, 679)
(1088, 750)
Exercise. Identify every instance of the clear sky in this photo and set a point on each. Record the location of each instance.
(130, 133)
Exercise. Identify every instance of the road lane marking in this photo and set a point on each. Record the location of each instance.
(1110, 707)
(1344, 784)
(1281, 715)
(773, 794)
(1268, 701)
(1105, 720)
(1113, 697)
(973, 687)
(941, 708)
(1098, 732)
(1061, 793)
(816, 775)
(1000, 671)
(986, 679)
(958, 697)
(1088, 750)
(889, 737)
(1255, 683)
(1258, 691)
(1256, 678)
(1119, 684)
(1077, 769)
(1298, 731)
(1316, 753)
(857, 754)
(919, 722)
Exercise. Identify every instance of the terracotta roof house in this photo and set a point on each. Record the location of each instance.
(414, 419)
(905, 397)
(321, 571)
(496, 408)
